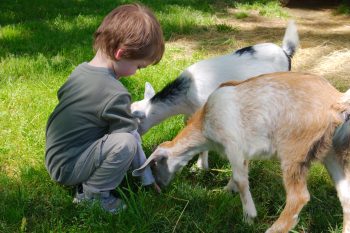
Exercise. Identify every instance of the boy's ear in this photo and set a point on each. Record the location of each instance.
(118, 54)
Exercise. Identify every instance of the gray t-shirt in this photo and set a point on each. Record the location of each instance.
(92, 103)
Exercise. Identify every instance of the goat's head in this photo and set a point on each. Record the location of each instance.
(142, 109)
(164, 165)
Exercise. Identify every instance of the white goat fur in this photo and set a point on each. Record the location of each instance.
(288, 116)
(206, 75)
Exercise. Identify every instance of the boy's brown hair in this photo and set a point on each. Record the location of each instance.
(133, 28)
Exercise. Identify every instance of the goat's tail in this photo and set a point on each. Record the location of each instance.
(290, 39)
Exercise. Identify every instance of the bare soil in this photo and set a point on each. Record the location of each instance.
(324, 39)
(324, 45)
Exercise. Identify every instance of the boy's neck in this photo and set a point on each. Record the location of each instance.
(101, 60)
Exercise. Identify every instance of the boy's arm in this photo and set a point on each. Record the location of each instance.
(139, 159)
(117, 112)
(147, 177)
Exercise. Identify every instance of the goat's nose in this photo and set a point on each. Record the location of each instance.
(139, 114)
(141, 131)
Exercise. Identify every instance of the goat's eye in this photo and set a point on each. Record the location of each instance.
(139, 114)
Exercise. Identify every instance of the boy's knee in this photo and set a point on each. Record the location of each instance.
(125, 145)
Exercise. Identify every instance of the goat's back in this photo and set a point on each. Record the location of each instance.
(252, 61)
(262, 113)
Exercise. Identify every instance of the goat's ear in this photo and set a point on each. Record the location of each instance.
(157, 155)
(149, 91)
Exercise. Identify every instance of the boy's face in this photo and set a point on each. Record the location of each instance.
(127, 67)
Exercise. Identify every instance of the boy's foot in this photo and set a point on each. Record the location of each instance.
(106, 200)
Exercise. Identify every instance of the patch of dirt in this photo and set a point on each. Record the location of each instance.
(324, 45)
(324, 39)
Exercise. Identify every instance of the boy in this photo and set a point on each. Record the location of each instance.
(91, 137)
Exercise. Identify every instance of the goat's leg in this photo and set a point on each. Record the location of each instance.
(240, 178)
(202, 162)
(231, 185)
(294, 177)
(341, 178)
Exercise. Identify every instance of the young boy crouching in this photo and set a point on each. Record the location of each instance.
(91, 137)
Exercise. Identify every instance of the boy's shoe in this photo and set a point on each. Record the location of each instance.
(112, 204)
(106, 200)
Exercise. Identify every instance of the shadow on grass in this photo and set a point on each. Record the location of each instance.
(313, 4)
(21, 11)
(42, 30)
(39, 34)
(42, 37)
(33, 199)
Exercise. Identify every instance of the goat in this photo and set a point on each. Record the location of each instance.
(294, 117)
(190, 90)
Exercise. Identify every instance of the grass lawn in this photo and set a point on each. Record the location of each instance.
(40, 44)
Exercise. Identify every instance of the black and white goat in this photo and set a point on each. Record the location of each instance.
(294, 117)
(190, 90)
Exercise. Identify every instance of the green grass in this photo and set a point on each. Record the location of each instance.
(241, 15)
(40, 44)
(343, 8)
(264, 7)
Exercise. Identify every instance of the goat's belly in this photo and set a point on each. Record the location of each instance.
(260, 151)
(263, 156)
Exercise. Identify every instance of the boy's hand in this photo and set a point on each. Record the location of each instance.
(157, 188)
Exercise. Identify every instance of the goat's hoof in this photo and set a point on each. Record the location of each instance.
(278, 229)
(201, 165)
(228, 189)
(202, 168)
(272, 230)
(248, 219)
(231, 188)
(196, 169)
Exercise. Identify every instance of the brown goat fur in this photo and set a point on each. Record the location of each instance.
(291, 116)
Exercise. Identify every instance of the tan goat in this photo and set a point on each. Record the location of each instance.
(289, 116)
